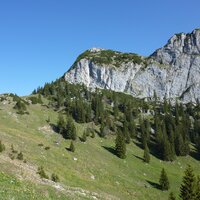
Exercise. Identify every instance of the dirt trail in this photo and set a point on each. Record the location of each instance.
(27, 171)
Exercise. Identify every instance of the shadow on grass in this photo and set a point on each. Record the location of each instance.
(67, 149)
(153, 184)
(154, 150)
(152, 147)
(195, 155)
(54, 127)
(138, 157)
(110, 149)
(138, 144)
(82, 139)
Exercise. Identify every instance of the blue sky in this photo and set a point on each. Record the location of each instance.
(40, 39)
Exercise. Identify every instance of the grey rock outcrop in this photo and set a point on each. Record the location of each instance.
(172, 71)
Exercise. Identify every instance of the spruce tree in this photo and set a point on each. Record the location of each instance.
(84, 136)
(103, 130)
(158, 134)
(126, 132)
(147, 130)
(20, 107)
(88, 114)
(197, 195)
(155, 97)
(146, 156)
(97, 106)
(198, 145)
(177, 113)
(92, 133)
(164, 181)
(72, 147)
(61, 123)
(79, 112)
(165, 105)
(171, 196)
(167, 153)
(187, 189)
(115, 110)
(144, 132)
(132, 129)
(181, 141)
(40, 99)
(70, 132)
(120, 146)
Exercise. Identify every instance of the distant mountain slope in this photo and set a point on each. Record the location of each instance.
(172, 71)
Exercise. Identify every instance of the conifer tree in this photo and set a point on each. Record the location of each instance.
(127, 138)
(126, 132)
(146, 156)
(187, 189)
(84, 136)
(70, 132)
(167, 154)
(171, 196)
(164, 181)
(155, 97)
(147, 130)
(40, 99)
(198, 145)
(128, 112)
(98, 107)
(103, 130)
(88, 114)
(158, 133)
(181, 144)
(165, 105)
(72, 147)
(92, 133)
(132, 129)
(197, 195)
(177, 113)
(120, 146)
(115, 110)
(79, 112)
(61, 123)
(20, 107)
(142, 131)
(181, 110)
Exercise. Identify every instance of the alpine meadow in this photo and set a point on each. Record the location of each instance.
(115, 124)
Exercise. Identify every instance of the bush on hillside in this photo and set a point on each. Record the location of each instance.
(42, 173)
(54, 177)
(2, 146)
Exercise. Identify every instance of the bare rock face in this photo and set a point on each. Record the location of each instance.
(172, 71)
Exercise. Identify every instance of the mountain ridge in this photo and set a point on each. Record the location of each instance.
(171, 71)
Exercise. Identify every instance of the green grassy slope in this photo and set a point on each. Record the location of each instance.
(91, 172)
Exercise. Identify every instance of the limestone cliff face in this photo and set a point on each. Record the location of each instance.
(172, 71)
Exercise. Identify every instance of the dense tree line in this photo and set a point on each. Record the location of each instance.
(162, 128)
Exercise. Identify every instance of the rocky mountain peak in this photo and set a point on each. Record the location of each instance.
(178, 45)
(95, 50)
(172, 71)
